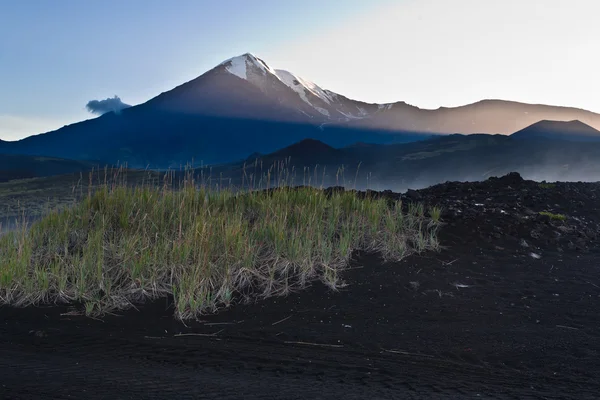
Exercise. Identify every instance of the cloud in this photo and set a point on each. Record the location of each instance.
(107, 105)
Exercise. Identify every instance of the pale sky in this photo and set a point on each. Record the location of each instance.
(56, 56)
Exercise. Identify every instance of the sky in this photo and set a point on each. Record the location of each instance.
(55, 56)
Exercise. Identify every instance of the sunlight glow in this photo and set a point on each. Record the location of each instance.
(433, 53)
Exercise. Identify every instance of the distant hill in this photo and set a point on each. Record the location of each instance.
(310, 151)
(242, 106)
(563, 130)
(14, 166)
(420, 164)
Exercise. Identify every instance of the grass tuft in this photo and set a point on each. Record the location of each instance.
(205, 247)
(554, 217)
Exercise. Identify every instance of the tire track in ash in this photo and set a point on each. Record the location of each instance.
(43, 376)
(230, 368)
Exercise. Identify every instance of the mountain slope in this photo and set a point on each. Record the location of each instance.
(244, 106)
(145, 137)
(564, 130)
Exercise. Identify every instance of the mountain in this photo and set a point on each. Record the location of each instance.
(247, 87)
(215, 118)
(15, 166)
(563, 130)
(243, 106)
(424, 163)
(486, 116)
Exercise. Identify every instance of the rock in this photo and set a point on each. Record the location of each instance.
(413, 195)
(334, 189)
(508, 179)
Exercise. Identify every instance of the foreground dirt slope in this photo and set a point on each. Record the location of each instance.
(509, 309)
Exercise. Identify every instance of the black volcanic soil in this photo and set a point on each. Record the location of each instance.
(510, 308)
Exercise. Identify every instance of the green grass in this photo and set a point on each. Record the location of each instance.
(124, 244)
(554, 217)
(547, 185)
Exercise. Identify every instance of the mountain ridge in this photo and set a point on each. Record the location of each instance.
(223, 116)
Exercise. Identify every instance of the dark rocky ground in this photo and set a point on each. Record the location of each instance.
(508, 309)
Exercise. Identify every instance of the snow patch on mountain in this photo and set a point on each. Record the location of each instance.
(263, 66)
(322, 111)
(350, 116)
(302, 86)
(237, 66)
(290, 80)
(385, 106)
(332, 95)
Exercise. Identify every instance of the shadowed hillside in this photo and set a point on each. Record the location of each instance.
(13, 166)
(423, 163)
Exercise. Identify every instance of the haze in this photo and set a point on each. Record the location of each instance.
(57, 56)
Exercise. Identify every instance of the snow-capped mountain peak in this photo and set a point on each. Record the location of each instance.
(239, 65)
(306, 97)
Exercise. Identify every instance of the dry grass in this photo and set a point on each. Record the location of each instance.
(206, 247)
